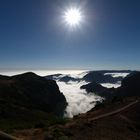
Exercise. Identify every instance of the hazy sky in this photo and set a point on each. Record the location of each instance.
(33, 35)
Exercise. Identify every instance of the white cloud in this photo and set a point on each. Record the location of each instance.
(78, 100)
(114, 75)
(72, 75)
(41, 72)
(110, 85)
(79, 75)
(117, 74)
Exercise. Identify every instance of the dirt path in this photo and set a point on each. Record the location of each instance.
(113, 112)
(5, 136)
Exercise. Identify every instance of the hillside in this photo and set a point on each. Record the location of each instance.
(28, 99)
(117, 119)
(123, 125)
(130, 85)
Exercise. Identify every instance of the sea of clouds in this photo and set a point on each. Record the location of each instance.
(78, 100)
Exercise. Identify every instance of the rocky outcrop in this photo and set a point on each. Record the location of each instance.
(32, 92)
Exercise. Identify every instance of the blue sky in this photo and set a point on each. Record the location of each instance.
(34, 36)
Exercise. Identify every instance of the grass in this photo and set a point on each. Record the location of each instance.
(36, 120)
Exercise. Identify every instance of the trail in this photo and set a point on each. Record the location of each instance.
(5, 136)
(113, 112)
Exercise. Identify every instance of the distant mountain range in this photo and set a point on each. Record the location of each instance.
(96, 81)
(130, 87)
(103, 76)
(106, 76)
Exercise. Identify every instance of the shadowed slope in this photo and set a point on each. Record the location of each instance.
(32, 92)
(131, 85)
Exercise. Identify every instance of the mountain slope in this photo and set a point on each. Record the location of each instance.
(117, 119)
(93, 87)
(124, 125)
(104, 76)
(43, 92)
(130, 85)
(21, 94)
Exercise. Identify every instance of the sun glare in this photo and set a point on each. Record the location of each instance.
(73, 17)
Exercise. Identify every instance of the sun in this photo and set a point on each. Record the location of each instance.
(73, 17)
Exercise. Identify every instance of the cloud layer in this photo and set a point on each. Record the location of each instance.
(110, 85)
(78, 100)
(117, 74)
